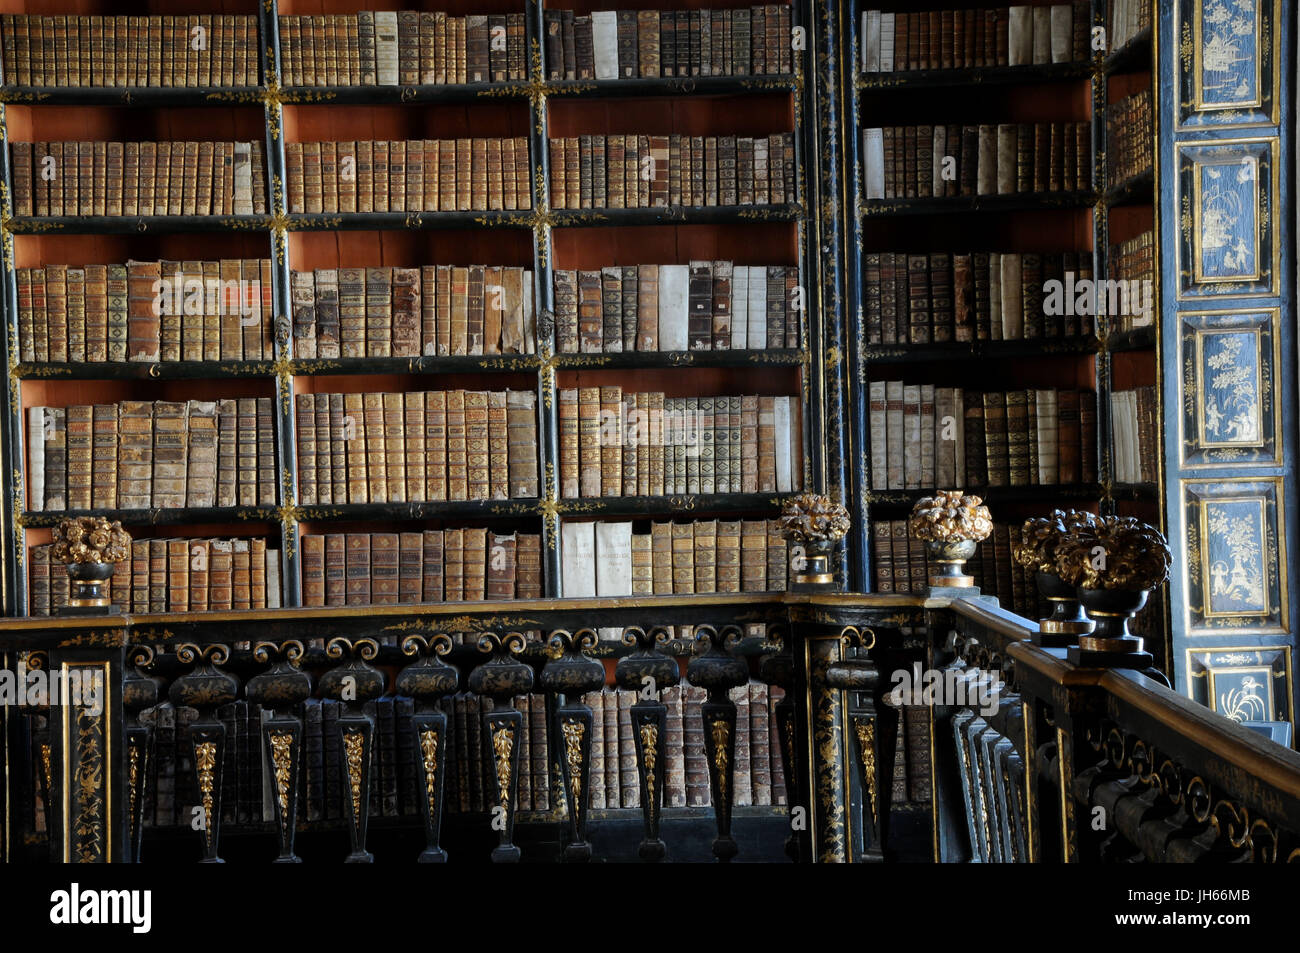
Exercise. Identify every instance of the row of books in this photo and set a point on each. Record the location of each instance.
(959, 39)
(140, 454)
(171, 575)
(902, 564)
(649, 171)
(706, 305)
(453, 565)
(80, 50)
(419, 175)
(1133, 263)
(932, 160)
(619, 443)
(1130, 137)
(1135, 426)
(1128, 18)
(974, 296)
(622, 44)
(608, 559)
(408, 312)
(924, 436)
(139, 178)
(416, 446)
(397, 779)
(401, 48)
(145, 311)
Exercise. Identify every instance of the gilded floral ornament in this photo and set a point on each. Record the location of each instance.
(90, 539)
(809, 517)
(1039, 538)
(1114, 552)
(950, 517)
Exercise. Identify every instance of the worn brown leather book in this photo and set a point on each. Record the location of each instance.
(385, 569)
(336, 588)
(313, 570)
(431, 566)
(522, 442)
(358, 572)
(457, 458)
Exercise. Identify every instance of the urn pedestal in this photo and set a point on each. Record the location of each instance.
(89, 590)
(951, 557)
(1067, 622)
(1110, 644)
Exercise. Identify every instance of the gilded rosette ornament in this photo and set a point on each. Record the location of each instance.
(1035, 548)
(813, 523)
(951, 524)
(1114, 552)
(90, 546)
(1112, 563)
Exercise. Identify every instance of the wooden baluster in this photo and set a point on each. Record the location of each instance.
(566, 677)
(647, 671)
(777, 670)
(719, 672)
(41, 750)
(139, 692)
(501, 678)
(860, 678)
(426, 680)
(207, 687)
(353, 684)
(280, 689)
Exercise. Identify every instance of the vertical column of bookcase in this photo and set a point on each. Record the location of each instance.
(11, 447)
(859, 495)
(286, 442)
(823, 244)
(543, 303)
(1100, 241)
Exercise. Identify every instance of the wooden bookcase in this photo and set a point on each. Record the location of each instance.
(539, 239)
(1083, 221)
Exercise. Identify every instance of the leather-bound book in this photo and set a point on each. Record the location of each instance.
(474, 561)
(379, 312)
(202, 466)
(457, 462)
(267, 474)
(394, 433)
(435, 446)
(528, 566)
(1017, 437)
(336, 588)
(522, 443)
(995, 438)
(431, 566)
(313, 570)
(385, 569)
(500, 566)
(413, 437)
(374, 461)
(358, 569)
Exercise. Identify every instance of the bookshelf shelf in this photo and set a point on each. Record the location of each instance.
(977, 350)
(1142, 492)
(1137, 339)
(996, 494)
(646, 360)
(974, 76)
(680, 215)
(1138, 190)
(440, 509)
(440, 364)
(692, 86)
(393, 221)
(674, 504)
(160, 517)
(188, 96)
(884, 208)
(1133, 55)
(136, 224)
(140, 370)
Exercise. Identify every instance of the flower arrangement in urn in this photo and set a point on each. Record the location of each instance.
(814, 522)
(1035, 548)
(951, 524)
(90, 546)
(1113, 563)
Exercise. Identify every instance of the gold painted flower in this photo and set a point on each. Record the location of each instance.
(1035, 548)
(90, 539)
(950, 517)
(1113, 552)
(810, 517)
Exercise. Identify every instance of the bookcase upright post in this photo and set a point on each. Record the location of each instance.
(11, 456)
(543, 302)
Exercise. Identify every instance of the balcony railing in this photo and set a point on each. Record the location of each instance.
(1042, 760)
